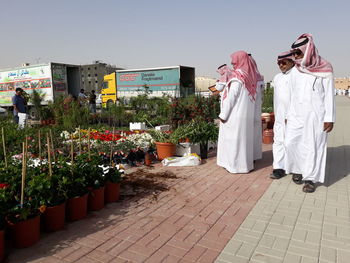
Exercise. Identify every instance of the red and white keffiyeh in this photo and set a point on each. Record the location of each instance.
(312, 63)
(245, 71)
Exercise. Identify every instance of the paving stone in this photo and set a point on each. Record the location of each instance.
(343, 256)
(228, 258)
(292, 258)
(281, 243)
(246, 250)
(267, 241)
(328, 254)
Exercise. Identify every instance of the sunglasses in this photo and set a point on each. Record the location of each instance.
(297, 52)
(283, 63)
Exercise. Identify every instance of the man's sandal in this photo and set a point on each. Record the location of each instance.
(309, 187)
(297, 178)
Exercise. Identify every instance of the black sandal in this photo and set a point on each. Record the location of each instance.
(309, 187)
(297, 178)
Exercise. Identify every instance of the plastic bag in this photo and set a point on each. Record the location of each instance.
(189, 160)
(22, 118)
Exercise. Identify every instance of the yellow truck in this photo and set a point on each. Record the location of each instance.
(109, 90)
(176, 81)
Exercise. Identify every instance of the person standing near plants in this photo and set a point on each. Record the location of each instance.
(281, 102)
(92, 102)
(257, 113)
(19, 105)
(235, 143)
(311, 116)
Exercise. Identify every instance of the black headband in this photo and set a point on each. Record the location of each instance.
(302, 43)
(223, 65)
(285, 56)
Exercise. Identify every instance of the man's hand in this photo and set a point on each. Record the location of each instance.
(223, 121)
(328, 126)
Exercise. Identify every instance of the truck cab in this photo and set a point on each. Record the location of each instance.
(109, 90)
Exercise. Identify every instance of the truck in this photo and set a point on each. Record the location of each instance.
(51, 80)
(176, 81)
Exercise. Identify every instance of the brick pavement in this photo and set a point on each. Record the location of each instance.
(289, 226)
(192, 222)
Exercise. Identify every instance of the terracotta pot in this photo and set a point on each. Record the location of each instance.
(2, 245)
(54, 217)
(165, 150)
(148, 160)
(76, 208)
(96, 199)
(268, 136)
(112, 192)
(25, 233)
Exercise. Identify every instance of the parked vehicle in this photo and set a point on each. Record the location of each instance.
(51, 80)
(176, 81)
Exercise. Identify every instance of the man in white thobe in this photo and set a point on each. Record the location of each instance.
(235, 143)
(281, 100)
(257, 113)
(311, 114)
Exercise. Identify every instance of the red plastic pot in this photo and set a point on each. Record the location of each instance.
(165, 150)
(25, 233)
(2, 245)
(112, 192)
(54, 218)
(96, 199)
(76, 208)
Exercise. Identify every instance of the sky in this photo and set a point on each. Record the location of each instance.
(157, 33)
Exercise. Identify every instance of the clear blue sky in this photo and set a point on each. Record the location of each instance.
(198, 33)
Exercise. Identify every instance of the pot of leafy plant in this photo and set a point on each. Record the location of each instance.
(23, 214)
(24, 225)
(113, 177)
(3, 211)
(94, 180)
(2, 244)
(202, 132)
(165, 143)
(54, 195)
(76, 206)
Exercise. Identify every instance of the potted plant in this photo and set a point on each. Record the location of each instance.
(113, 177)
(51, 190)
(93, 174)
(202, 132)
(165, 143)
(23, 214)
(77, 193)
(4, 196)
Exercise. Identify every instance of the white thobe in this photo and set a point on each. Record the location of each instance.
(312, 104)
(235, 143)
(281, 99)
(257, 121)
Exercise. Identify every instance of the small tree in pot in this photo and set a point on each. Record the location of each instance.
(202, 132)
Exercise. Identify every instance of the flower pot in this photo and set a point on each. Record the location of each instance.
(54, 217)
(96, 199)
(25, 233)
(165, 150)
(2, 245)
(148, 160)
(272, 121)
(204, 150)
(268, 136)
(76, 208)
(112, 192)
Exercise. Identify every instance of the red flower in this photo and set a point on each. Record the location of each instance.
(3, 185)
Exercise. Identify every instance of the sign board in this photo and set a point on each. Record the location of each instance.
(29, 79)
(162, 80)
